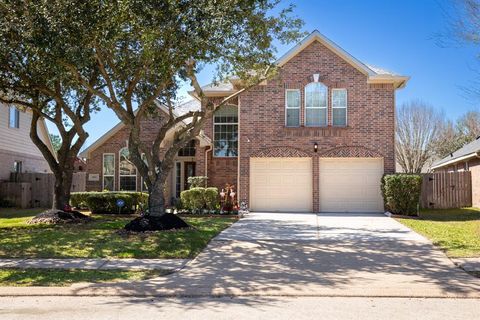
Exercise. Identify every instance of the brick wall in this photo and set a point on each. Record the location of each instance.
(113, 145)
(370, 114)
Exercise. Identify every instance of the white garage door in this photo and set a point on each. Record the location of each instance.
(350, 184)
(281, 184)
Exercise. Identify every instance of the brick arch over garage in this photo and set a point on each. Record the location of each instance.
(350, 151)
(280, 152)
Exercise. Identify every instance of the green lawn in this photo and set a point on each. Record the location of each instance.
(456, 231)
(99, 238)
(57, 277)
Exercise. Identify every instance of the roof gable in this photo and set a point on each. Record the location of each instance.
(374, 75)
(317, 36)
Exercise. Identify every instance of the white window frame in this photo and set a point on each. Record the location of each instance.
(229, 123)
(103, 170)
(120, 175)
(13, 111)
(307, 108)
(299, 107)
(346, 106)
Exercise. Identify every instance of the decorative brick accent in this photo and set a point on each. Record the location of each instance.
(279, 152)
(354, 151)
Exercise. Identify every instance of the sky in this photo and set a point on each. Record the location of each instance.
(400, 36)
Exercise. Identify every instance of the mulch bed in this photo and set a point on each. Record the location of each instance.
(168, 221)
(59, 217)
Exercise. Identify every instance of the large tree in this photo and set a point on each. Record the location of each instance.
(454, 135)
(147, 49)
(417, 127)
(36, 38)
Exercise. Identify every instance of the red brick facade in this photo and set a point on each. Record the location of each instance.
(371, 115)
(262, 132)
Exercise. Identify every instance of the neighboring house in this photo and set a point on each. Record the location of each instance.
(17, 151)
(317, 137)
(467, 158)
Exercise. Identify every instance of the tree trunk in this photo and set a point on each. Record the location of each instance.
(156, 197)
(61, 189)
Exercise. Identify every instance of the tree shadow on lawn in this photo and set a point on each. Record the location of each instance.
(99, 239)
(269, 267)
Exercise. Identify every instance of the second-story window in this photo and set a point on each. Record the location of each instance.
(339, 107)
(14, 118)
(225, 132)
(292, 108)
(316, 105)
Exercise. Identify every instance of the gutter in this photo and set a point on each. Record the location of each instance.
(207, 150)
(465, 157)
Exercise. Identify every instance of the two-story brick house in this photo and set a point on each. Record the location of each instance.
(317, 137)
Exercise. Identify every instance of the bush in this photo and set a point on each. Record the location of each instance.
(106, 202)
(211, 198)
(197, 181)
(401, 193)
(79, 199)
(198, 198)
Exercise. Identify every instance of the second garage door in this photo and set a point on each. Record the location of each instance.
(350, 184)
(281, 184)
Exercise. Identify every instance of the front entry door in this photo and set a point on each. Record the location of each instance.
(188, 171)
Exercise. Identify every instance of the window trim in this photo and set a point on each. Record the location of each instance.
(346, 106)
(120, 175)
(16, 112)
(305, 106)
(228, 123)
(103, 170)
(299, 107)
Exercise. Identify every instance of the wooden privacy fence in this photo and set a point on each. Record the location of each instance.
(446, 190)
(35, 190)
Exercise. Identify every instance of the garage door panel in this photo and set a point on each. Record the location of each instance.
(281, 184)
(350, 184)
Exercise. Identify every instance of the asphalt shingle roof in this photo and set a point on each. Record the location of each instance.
(467, 149)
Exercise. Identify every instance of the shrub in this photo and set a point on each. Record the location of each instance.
(106, 202)
(198, 181)
(401, 192)
(198, 198)
(79, 199)
(211, 198)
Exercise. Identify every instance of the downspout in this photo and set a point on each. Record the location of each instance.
(207, 150)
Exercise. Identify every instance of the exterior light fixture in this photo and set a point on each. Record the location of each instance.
(315, 147)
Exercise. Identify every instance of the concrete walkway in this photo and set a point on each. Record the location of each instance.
(96, 264)
(271, 254)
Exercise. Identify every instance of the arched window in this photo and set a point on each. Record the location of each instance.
(128, 171)
(316, 104)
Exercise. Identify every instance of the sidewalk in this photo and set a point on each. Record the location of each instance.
(96, 264)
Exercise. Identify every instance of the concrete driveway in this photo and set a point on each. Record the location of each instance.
(307, 255)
